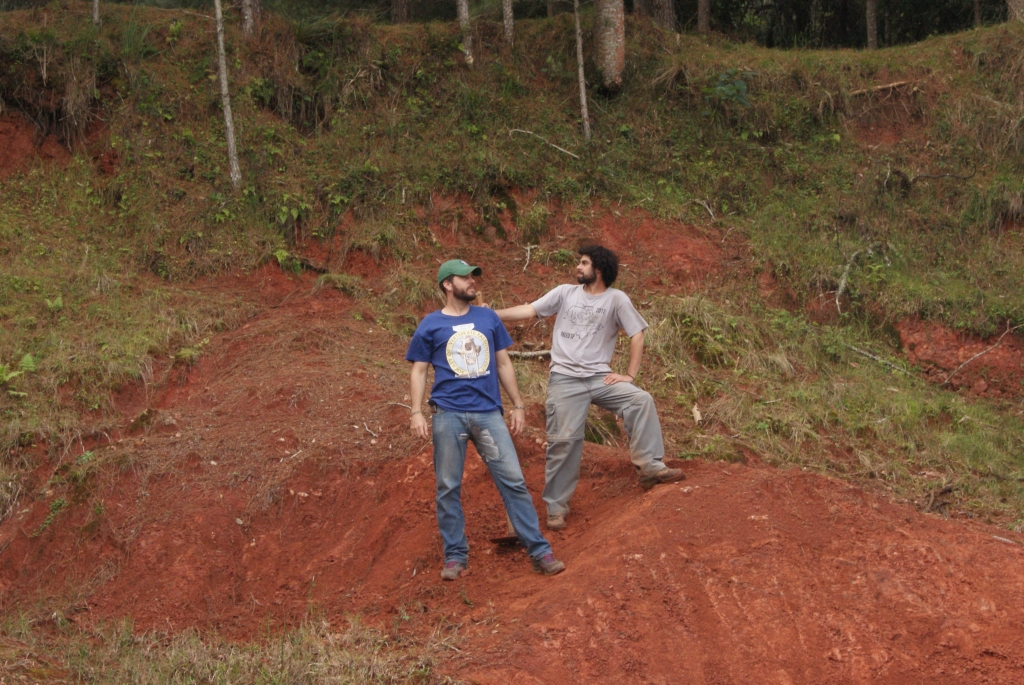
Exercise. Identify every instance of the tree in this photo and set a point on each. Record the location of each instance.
(462, 8)
(580, 77)
(1016, 9)
(610, 41)
(229, 123)
(510, 20)
(399, 11)
(872, 10)
(96, 13)
(704, 17)
(663, 12)
(250, 16)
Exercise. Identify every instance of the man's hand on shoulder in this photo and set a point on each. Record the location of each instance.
(613, 378)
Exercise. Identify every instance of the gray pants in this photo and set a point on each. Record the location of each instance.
(569, 400)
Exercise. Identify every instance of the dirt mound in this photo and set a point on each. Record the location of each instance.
(276, 478)
(17, 140)
(996, 370)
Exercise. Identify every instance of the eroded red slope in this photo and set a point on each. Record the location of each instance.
(277, 478)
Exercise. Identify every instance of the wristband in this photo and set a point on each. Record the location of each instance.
(518, 406)
(415, 412)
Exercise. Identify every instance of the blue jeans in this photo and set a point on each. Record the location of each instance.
(452, 430)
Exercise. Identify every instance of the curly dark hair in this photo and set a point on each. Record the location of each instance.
(604, 260)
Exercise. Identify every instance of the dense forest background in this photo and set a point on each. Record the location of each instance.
(771, 23)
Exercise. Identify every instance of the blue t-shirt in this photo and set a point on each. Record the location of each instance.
(461, 349)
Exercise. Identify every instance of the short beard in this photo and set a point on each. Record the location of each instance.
(463, 295)
(584, 280)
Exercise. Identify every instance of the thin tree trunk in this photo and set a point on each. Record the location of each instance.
(642, 8)
(96, 12)
(250, 16)
(704, 17)
(579, 72)
(1016, 9)
(977, 13)
(872, 10)
(399, 11)
(610, 41)
(462, 7)
(229, 123)
(510, 21)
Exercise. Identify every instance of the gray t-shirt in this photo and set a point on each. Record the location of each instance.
(584, 338)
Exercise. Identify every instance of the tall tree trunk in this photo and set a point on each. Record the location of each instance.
(579, 71)
(229, 122)
(704, 17)
(399, 11)
(1016, 8)
(462, 8)
(250, 17)
(872, 10)
(610, 41)
(95, 12)
(510, 21)
(665, 14)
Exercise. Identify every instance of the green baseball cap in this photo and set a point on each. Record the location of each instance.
(456, 267)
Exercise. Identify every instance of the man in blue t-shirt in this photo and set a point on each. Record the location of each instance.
(466, 345)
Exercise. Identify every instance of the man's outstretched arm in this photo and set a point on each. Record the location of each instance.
(520, 313)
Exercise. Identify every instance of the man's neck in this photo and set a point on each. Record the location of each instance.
(455, 307)
(595, 288)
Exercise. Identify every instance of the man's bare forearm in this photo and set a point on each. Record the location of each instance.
(519, 313)
(417, 385)
(636, 353)
(507, 377)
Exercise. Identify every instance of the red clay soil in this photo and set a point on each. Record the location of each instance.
(277, 477)
(17, 143)
(939, 351)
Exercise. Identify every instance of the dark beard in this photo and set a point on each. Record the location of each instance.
(583, 280)
(463, 295)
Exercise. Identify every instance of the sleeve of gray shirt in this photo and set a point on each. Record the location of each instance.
(628, 317)
(550, 303)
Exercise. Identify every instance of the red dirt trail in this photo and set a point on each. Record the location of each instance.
(277, 477)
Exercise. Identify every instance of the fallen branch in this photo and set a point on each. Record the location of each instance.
(529, 249)
(705, 205)
(530, 355)
(932, 504)
(560, 149)
(844, 279)
(983, 352)
(875, 89)
(876, 358)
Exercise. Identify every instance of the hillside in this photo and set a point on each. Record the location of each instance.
(203, 406)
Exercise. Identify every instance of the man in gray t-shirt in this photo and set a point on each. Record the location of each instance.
(589, 318)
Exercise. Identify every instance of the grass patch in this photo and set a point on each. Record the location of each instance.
(316, 652)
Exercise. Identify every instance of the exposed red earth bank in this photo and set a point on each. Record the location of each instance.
(276, 478)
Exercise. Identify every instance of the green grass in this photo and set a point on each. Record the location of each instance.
(316, 652)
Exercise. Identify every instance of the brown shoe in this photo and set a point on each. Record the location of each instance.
(556, 521)
(452, 570)
(548, 565)
(666, 475)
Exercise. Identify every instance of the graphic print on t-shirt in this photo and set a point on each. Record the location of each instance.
(583, 321)
(468, 354)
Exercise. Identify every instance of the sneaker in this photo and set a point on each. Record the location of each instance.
(548, 565)
(452, 569)
(556, 521)
(666, 475)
